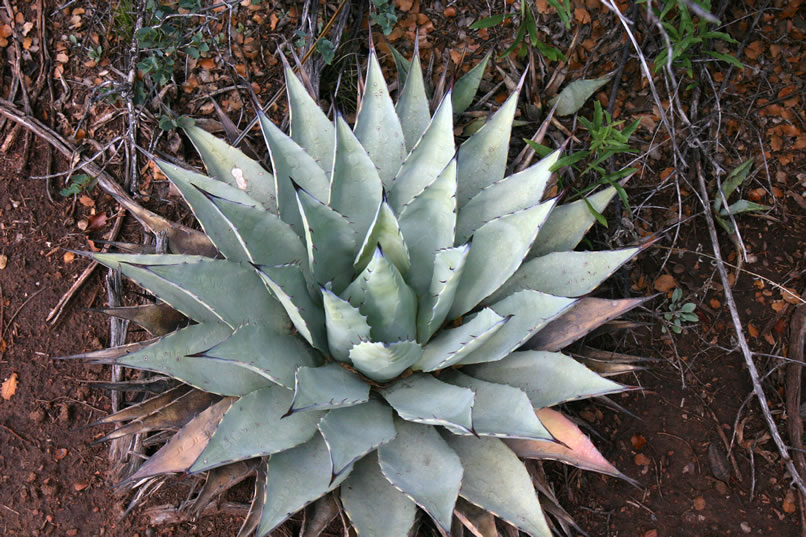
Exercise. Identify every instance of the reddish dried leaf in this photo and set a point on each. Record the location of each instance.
(664, 283)
(578, 450)
(582, 16)
(754, 50)
(9, 387)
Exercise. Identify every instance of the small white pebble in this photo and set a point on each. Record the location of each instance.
(745, 527)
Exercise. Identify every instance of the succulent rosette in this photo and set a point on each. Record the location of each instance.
(350, 323)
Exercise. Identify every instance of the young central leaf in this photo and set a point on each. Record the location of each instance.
(383, 297)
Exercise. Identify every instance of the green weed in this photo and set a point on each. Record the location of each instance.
(687, 34)
(528, 28)
(678, 313)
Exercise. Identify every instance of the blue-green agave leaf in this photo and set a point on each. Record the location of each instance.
(528, 312)
(548, 378)
(498, 249)
(383, 362)
(184, 180)
(230, 165)
(229, 217)
(566, 273)
(381, 294)
(453, 345)
(412, 106)
(419, 463)
(373, 504)
(288, 284)
(355, 188)
(500, 410)
(310, 127)
(352, 432)
(421, 398)
(201, 288)
(291, 163)
(328, 386)
(449, 265)
(568, 223)
(378, 127)
(296, 477)
(574, 95)
(257, 348)
(250, 226)
(427, 159)
(498, 482)
(171, 355)
(257, 425)
(384, 232)
(401, 64)
(330, 240)
(427, 224)
(512, 193)
(482, 159)
(345, 325)
(466, 87)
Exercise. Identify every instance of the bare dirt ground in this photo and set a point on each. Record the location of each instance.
(694, 438)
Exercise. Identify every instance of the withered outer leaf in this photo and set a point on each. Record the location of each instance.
(184, 447)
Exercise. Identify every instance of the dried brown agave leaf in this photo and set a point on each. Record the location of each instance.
(608, 363)
(149, 406)
(220, 480)
(575, 448)
(479, 522)
(252, 519)
(158, 319)
(182, 450)
(171, 416)
(319, 515)
(586, 315)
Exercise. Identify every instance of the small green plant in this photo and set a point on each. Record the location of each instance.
(77, 184)
(164, 39)
(686, 33)
(168, 123)
(679, 313)
(384, 15)
(123, 21)
(735, 179)
(327, 49)
(94, 53)
(608, 139)
(528, 27)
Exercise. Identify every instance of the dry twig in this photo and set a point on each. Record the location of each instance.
(797, 341)
(758, 390)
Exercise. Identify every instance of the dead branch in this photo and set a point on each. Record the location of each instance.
(758, 390)
(797, 340)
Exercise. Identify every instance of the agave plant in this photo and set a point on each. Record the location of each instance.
(349, 324)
